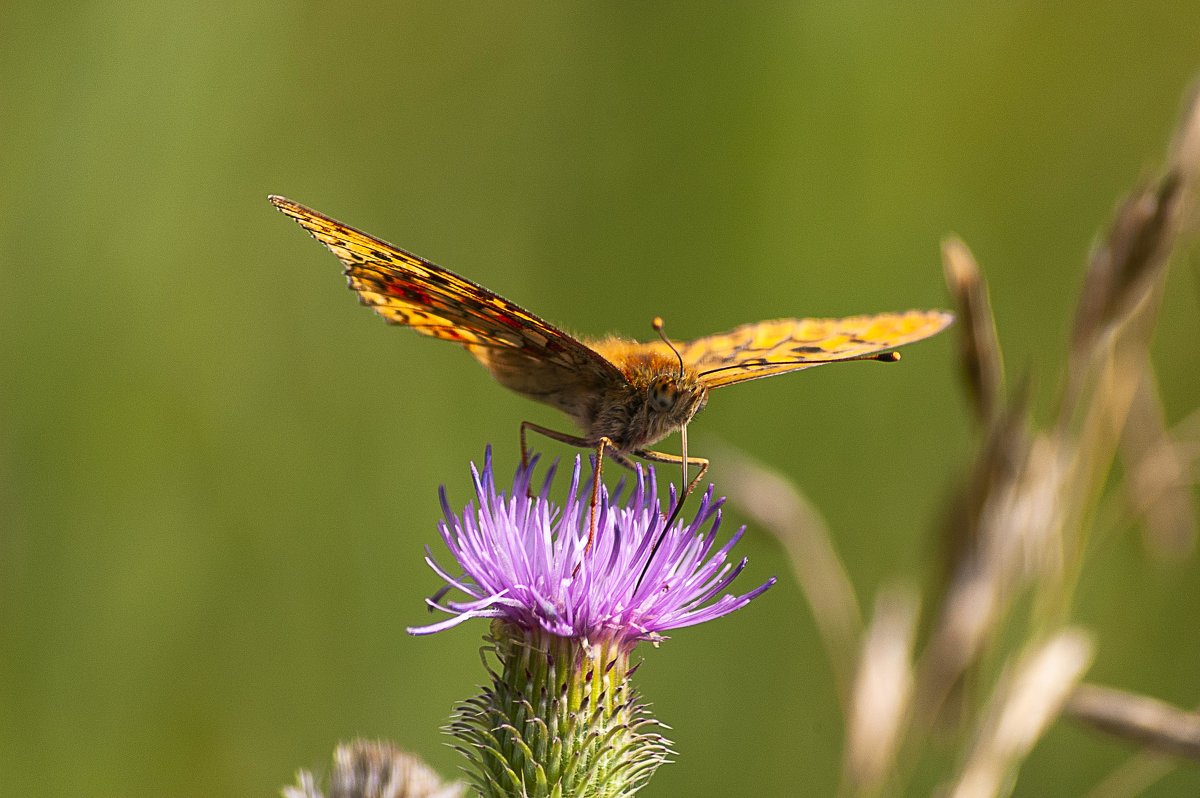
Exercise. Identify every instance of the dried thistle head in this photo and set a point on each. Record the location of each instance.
(375, 769)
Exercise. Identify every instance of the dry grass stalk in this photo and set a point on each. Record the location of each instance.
(1124, 270)
(1025, 702)
(882, 692)
(1159, 480)
(1134, 777)
(784, 511)
(1140, 719)
(979, 346)
(1109, 363)
(1015, 540)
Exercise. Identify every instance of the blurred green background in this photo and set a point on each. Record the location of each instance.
(217, 473)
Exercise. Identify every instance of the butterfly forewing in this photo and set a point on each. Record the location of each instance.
(767, 348)
(408, 290)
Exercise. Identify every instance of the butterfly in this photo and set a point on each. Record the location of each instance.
(624, 395)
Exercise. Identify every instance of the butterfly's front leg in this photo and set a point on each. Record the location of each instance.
(552, 434)
(583, 443)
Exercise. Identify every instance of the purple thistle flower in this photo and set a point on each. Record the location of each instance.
(561, 715)
(522, 560)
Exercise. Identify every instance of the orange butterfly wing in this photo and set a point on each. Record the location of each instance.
(767, 348)
(407, 290)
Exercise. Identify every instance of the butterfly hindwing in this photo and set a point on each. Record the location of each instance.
(767, 348)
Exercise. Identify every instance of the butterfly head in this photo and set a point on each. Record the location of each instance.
(669, 400)
(675, 395)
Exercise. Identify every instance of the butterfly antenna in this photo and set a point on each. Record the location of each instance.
(882, 357)
(657, 324)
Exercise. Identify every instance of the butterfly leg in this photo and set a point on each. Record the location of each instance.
(552, 434)
(583, 443)
(604, 443)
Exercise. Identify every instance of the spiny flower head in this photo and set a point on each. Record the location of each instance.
(522, 560)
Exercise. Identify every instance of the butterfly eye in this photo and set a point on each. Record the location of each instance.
(662, 395)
